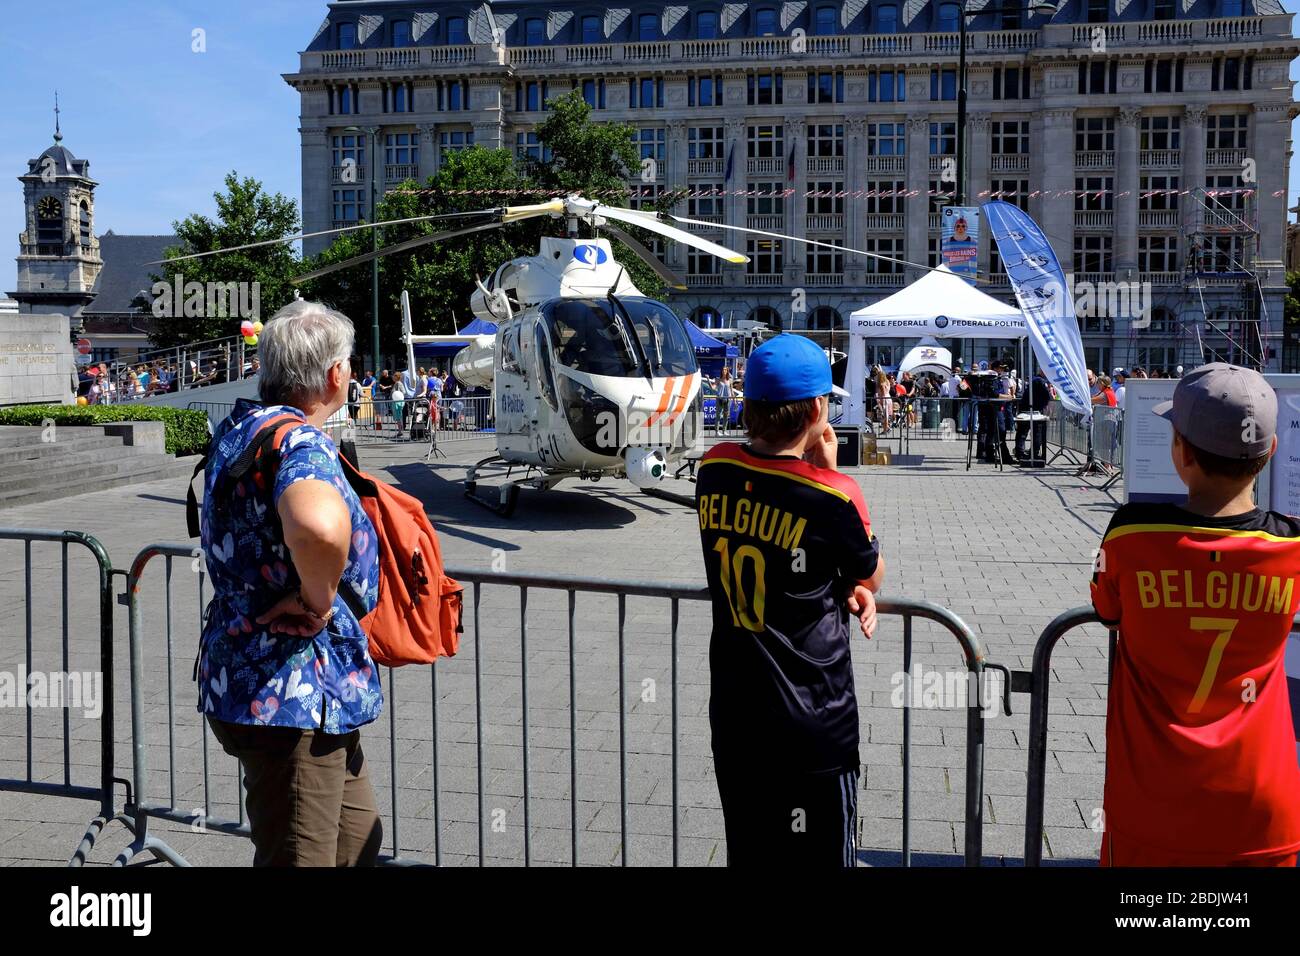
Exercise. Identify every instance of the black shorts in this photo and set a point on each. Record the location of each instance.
(775, 818)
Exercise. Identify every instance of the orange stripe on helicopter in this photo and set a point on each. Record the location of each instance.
(681, 399)
(664, 399)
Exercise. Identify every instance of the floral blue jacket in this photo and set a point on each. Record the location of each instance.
(247, 675)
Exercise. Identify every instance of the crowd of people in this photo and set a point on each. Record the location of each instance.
(427, 397)
(102, 384)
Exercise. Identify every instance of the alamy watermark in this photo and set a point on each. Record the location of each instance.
(206, 300)
(75, 690)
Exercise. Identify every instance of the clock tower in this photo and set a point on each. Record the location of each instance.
(58, 258)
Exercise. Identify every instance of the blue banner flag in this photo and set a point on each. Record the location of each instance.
(1045, 299)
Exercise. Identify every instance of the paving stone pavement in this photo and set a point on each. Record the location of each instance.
(1005, 551)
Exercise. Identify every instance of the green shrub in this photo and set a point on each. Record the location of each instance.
(185, 430)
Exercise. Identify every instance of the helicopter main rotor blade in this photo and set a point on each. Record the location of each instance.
(649, 258)
(650, 222)
(396, 247)
(323, 232)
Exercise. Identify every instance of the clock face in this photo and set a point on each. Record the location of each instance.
(49, 208)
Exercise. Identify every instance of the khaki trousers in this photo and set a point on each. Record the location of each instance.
(310, 802)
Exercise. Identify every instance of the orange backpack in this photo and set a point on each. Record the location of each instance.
(417, 617)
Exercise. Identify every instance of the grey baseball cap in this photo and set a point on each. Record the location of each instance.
(1224, 409)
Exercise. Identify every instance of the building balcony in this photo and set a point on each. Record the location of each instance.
(823, 279)
(886, 164)
(940, 162)
(1010, 163)
(1161, 32)
(714, 220)
(1163, 278)
(703, 281)
(883, 222)
(893, 280)
(1225, 220)
(765, 166)
(589, 53)
(1094, 159)
(1225, 157)
(705, 167)
(349, 175)
(935, 220)
(820, 165)
(825, 222)
(344, 223)
(1158, 218)
(400, 172)
(1160, 159)
(768, 223)
(1092, 277)
(1094, 219)
(764, 279)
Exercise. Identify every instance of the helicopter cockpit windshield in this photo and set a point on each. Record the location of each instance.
(642, 338)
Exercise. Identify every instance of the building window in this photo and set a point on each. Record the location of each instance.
(1009, 137)
(887, 19)
(399, 98)
(1232, 8)
(766, 141)
(529, 147)
(457, 31)
(1158, 193)
(402, 149)
(1094, 194)
(348, 148)
(890, 247)
(1014, 191)
(646, 196)
(1012, 17)
(650, 143)
(940, 195)
(1232, 73)
(826, 22)
(826, 199)
(947, 18)
(1092, 254)
(347, 35)
(1164, 10)
(765, 89)
(826, 139)
(593, 91)
(885, 197)
(704, 142)
(1098, 11)
(765, 23)
(1098, 76)
(1164, 76)
(701, 263)
(343, 100)
(825, 87)
(704, 91)
(765, 257)
(943, 84)
(401, 33)
(1094, 133)
(886, 139)
(646, 93)
(534, 31)
(453, 95)
(768, 199)
(349, 205)
(1011, 83)
(706, 26)
(943, 139)
(824, 318)
(454, 141)
(706, 200)
(1226, 130)
(647, 28)
(1160, 132)
(84, 224)
(887, 86)
(1225, 192)
(1157, 254)
(593, 30)
(532, 96)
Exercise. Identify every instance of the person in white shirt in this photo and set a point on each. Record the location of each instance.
(1121, 379)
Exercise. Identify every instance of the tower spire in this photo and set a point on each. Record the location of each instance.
(58, 134)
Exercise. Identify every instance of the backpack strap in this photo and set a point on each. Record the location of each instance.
(262, 453)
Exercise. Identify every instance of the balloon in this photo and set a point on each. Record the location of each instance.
(81, 400)
(250, 339)
(257, 328)
(246, 327)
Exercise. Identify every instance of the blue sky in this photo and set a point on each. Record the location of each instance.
(161, 124)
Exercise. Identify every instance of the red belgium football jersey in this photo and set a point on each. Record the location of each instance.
(1200, 751)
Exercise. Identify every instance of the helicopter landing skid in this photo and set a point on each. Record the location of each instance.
(507, 497)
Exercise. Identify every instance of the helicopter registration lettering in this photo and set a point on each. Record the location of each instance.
(757, 519)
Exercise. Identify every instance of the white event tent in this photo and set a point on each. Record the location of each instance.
(939, 305)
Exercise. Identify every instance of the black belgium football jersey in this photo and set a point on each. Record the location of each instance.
(783, 541)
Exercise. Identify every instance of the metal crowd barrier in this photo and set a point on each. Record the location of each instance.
(1101, 445)
(103, 791)
(150, 803)
(1037, 683)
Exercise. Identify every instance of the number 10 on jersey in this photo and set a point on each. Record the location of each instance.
(746, 609)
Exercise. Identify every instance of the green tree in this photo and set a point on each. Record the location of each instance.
(245, 214)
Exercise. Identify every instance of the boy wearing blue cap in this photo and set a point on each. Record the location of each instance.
(789, 555)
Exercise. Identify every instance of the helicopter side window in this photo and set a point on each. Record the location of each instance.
(545, 373)
(663, 337)
(587, 338)
(510, 350)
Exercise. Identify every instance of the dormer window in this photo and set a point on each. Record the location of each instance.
(765, 23)
(457, 31)
(1098, 11)
(592, 30)
(825, 24)
(347, 36)
(948, 14)
(534, 31)
(887, 19)
(647, 28)
(401, 33)
(1233, 8)
(706, 26)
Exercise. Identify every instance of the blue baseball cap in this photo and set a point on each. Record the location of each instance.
(788, 368)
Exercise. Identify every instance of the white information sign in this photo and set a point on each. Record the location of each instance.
(1149, 473)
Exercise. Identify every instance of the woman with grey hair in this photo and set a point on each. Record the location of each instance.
(286, 680)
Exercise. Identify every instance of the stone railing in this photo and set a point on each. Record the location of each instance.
(1161, 158)
(1224, 157)
(1094, 218)
(764, 279)
(400, 172)
(1157, 218)
(705, 167)
(938, 163)
(772, 222)
(885, 164)
(1010, 163)
(886, 279)
(765, 166)
(825, 222)
(1094, 159)
(348, 175)
(704, 280)
(883, 222)
(824, 164)
(1163, 278)
(823, 278)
